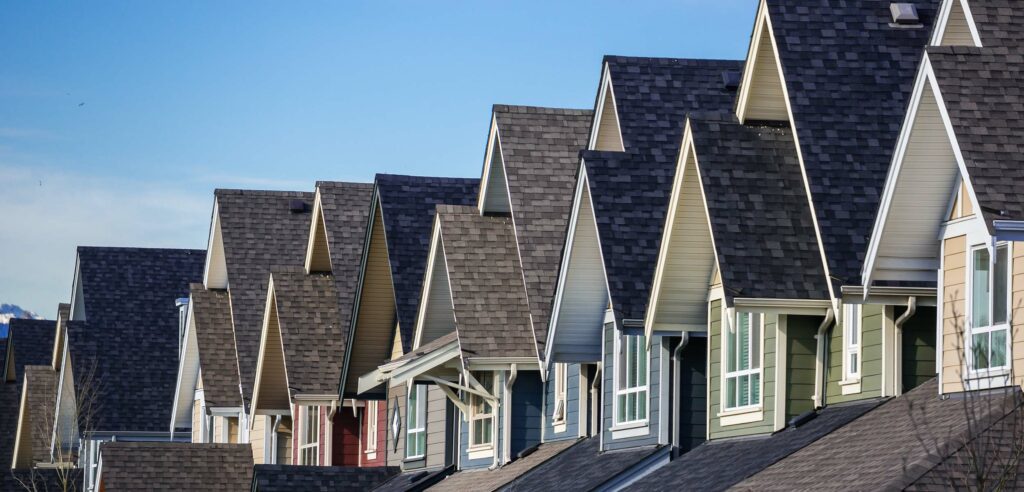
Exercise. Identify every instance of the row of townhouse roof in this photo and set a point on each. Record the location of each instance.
(799, 270)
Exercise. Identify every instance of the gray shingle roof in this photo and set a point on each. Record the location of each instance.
(486, 479)
(216, 342)
(271, 478)
(311, 331)
(127, 349)
(890, 447)
(30, 342)
(414, 481)
(719, 465)
(492, 315)
(540, 148)
(3, 357)
(176, 466)
(983, 89)
(259, 231)
(581, 467)
(40, 403)
(760, 216)
(849, 77)
(999, 22)
(407, 204)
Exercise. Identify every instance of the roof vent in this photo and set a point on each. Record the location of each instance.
(731, 79)
(297, 206)
(904, 14)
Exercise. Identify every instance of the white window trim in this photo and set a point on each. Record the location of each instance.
(304, 427)
(852, 314)
(560, 411)
(372, 410)
(485, 448)
(745, 409)
(421, 420)
(639, 422)
(991, 372)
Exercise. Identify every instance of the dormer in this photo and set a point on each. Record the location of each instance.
(955, 26)
(606, 134)
(437, 315)
(318, 253)
(77, 294)
(762, 93)
(494, 194)
(215, 274)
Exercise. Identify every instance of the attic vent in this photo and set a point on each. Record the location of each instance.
(297, 206)
(731, 79)
(904, 14)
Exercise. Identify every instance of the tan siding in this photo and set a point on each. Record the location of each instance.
(396, 450)
(257, 438)
(953, 305)
(439, 315)
(218, 429)
(320, 257)
(376, 320)
(232, 429)
(396, 345)
(436, 435)
(766, 99)
(1017, 315)
(272, 389)
(284, 442)
(965, 200)
(197, 417)
(608, 133)
(958, 32)
(496, 194)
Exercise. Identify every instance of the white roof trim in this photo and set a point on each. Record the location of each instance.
(188, 374)
(318, 218)
(412, 368)
(493, 144)
(215, 272)
(605, 90)
(436, 249)
(943, 22)
(271, 300)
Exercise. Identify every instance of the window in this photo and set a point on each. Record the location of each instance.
(561, 382)
(481, 413)
(851, 341)
(371, 425)
(416, 422)
(631, 379)
(309, 435)
(743, 362)
(989, 309)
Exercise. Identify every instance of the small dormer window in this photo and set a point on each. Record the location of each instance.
(561, 381)
(851, 341)
(631, 364)
(481, 413)
(743, 362)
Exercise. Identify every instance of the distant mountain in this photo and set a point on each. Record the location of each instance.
(9, 312)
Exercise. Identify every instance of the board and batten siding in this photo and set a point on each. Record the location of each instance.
(954, 286)
(872, 321)
(572, 405)
(654, 375)
(766, 424)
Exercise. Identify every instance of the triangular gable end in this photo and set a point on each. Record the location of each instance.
(494, 196)
(270, 393)
(436, 317)
(215, 275)
(762, 93)
(581, 298)
(687, 262)
(956, 26)
(188, 375)
(318, 252)
(78, 294)
(606, 134)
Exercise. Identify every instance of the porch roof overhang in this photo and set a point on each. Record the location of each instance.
(808, 307)
(856, 294)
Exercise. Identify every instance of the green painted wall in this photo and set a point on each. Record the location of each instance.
(872, 319)
(768, 374)
(918, 347)
(801, 365)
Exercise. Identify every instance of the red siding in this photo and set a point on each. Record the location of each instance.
(382, 412)
(345, 441)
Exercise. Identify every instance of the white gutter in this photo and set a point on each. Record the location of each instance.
(677, 372)
(822, 358)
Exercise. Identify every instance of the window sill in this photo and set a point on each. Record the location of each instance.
(629, 425)
(559, 426)
(741, 416)
(630, 429)
(480, 452)
(850, 386)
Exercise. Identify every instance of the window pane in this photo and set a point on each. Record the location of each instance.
(743, 342)
(631, 362)
(744, 390)
(641, 355)
(631, 406)
(998, 349)
(979, 288)
(730, 343)
(641, 404)
(755, 389)
(854, 368)
(980, 350)
(999, 311)
(621, 417)
(730, 392)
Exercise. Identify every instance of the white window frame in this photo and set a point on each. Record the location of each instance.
(309, 418)
(561, 380)
(476, 404)
(642, 391)
(372, 425)
(853, 341)
(992, 327)
(759, 370)
(421, 419)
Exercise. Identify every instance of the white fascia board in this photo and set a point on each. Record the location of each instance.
(367, 235)
(214, 225)
(76, 288)
(605, 90)
(436, 246)
(884, 295)
(942, 23)
(809, 307)
(485, 175)
(318, 213)
(502, 363)
(743, 94)
(188, 373)
(271, 299)
(425, 363)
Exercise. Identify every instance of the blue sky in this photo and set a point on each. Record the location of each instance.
(118, 119)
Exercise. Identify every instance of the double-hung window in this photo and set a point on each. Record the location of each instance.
(989, 292)
(631, 379)
(309, 435)
(481, 413)
(851, 341)
(371, 425)
(561, 381)
(743, 362)
(416, 422)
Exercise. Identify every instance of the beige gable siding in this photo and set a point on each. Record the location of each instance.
(439, 315)
(766, 99)
(609, 136)
(954, 275)
(258, 438)
(319, 255)
(957, 32)
(496, 193)
(272, 382)
(218, 429)
(376, 317)
(396, 443)
(284, 442)
(1017, 313)
(232, 429)
(197, 422)
(396, 345)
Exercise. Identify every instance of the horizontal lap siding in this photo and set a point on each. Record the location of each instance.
(872, 321)
(436, 435)
(464, 462)
(346, 438)
(918, 350)
(801, 363)
(527, 404)
(954, 271)
(396, 443)
(654, 397)
(572, 405)
(766, 424)
(693, 394)
(380, 437)
(1017, 313)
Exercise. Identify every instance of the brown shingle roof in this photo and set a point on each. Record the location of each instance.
(216, 342)
(486, 479)
(41, 382)
(155, 466)
(311, 330)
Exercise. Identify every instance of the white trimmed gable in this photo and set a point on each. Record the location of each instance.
(215, 275)
(65, 429)
(687, 263)
(606, 133)
(437, 310)
(762, 94)
(188, 377)
(77, 295)
(270, 393)
(494, 196)
(318, 253)
(956, 26)
(581, 298)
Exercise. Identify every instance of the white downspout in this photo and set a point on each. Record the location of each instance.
(822, 358)
(898, 324)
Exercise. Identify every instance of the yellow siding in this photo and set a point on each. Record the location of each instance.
(218, 429)
(232, 429)
(765, 99)
(954, 273)
(958, 32)
(609, 137)
(320, 256)
(396, 345)
(272, 389)
(284, 442)
(257, 438)
(376, 318)
(197, 421)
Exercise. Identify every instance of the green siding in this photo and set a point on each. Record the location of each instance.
(872, 320)
(801, 364)
(918, 347)
(768, 374)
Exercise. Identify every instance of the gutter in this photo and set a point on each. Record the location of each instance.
(822, 359)
(677, 372)
(506, 410)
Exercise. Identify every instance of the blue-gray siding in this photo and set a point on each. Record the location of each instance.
(572, 406)
(608, 391)
(527, 401)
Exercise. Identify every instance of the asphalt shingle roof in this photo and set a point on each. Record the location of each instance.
(718, 465)
(127, 349)
(414, 481)
(983, 89)
(999, 22)
(540, 148)
(407, 204)
(216, 343)
(890, 447)
(849, 76)
(272, 478)
(759, 213)
(311, 331)
(31, 342)
(3, 357)
(581, 467)
(486, 479)
(176, 466)
(630, 190)
(492, 314)
(259, 231)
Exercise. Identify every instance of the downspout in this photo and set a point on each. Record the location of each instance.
(898, 324)
(595, 402)
(677, 373)
(506, 417)
(273, 439)
(822, 382)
